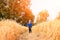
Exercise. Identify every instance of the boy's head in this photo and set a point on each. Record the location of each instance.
(29, 21)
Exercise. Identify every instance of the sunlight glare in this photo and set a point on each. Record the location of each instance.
(53, 7)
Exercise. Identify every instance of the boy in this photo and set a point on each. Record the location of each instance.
(29, 24)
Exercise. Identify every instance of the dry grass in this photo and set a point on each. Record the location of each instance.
(10, 30)
(47, 30)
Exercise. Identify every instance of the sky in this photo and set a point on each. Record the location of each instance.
(53, 7)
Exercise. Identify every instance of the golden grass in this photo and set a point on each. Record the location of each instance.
(47, 30)
(10, 30)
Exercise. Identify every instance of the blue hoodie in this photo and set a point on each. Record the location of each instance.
(29, 24)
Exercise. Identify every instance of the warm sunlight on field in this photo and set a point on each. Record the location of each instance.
(53, 6)
(47, 30)
(29, 19)
(10, 30)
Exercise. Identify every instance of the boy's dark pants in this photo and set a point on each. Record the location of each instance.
(30, 29)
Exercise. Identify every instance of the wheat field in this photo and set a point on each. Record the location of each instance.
(10, 30)
(47, 30)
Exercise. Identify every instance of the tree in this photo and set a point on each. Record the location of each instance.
(42, 16)
(58, 17)
(19, 6)
(5, 10)
(12, 9)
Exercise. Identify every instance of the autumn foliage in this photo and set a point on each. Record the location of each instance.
(42, 16)
(15, 9)
(19, 6)
(58, 17)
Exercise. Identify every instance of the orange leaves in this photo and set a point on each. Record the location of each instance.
(58, 17)
(28, 14)
(19, 6)
(25, 2)
(44, 13)
(43, 16)
(19, 3)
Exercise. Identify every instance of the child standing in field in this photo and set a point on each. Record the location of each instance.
(29, 25)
